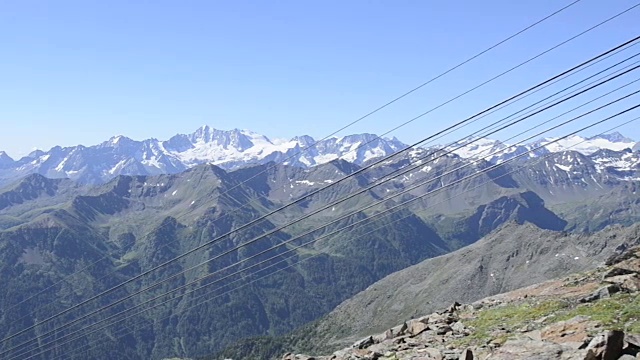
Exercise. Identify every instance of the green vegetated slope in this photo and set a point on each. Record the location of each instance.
(135, 223)
(53, 229)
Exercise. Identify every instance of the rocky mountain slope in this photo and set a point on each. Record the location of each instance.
(585, 316)
(509, 258)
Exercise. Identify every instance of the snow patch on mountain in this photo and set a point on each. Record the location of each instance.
(476, 147)
(563, 167)
(621, 161)
(497, 152)
(587, 146)
(614, 137)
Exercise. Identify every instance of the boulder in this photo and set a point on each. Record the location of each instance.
(441, 329)
(340, 354)
(528, 349)
(459, 328)
(627, 357)
(451, 318)
(364, 343)
(628, 282)
(381, 347)
(451, 354)
(602, 293)
(379, 338)
(632, 340)
(631, 265)
(534, 335)
(435, 318)
(396, 331)
(615, 272)
(415, 327)
(622, 255)
(606, 346)
(573, 332)
(431, 353)
(290, 356)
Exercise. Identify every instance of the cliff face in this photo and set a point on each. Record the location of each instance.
(588, 316)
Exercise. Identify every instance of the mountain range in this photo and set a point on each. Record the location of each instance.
(52, 229)
(234, 149)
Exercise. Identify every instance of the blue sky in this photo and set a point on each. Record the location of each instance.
(79, 72)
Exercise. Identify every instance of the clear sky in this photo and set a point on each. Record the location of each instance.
(79, 72)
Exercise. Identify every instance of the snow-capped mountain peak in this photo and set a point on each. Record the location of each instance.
(497, 152)
(237, 139)
(474, 147)
(588, 146)
(304, 141)
(229, 149)
(236, 148)
(614, 137)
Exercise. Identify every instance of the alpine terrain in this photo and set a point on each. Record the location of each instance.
(478, 196)
(62, 239)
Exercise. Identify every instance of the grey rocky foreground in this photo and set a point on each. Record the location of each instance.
(433, 337)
